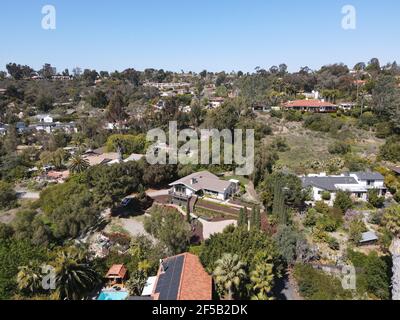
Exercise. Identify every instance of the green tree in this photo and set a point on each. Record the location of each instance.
(75, 277)
(78, 164)
(262, 279)
(29, 279)
(170, 227)
(8, 197)
(392, 224)
(229, 273)
(343, 201)
(374, 198)
(243, 218)
(136, 283)
(116, 109)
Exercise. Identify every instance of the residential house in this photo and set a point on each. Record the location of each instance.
(43, 126)
(57, 176)
(201, 184)
(216, 102)
(357, 184)
(260, 107)
(347, 106)
(396, 170)
(311, 95)
(134, 157)
(117, 275)
(180, 277)
(315, 106)
(44, 118)
(3, 129)
(21, 127)
(69, 127)
(94, 157)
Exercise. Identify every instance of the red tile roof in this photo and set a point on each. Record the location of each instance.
(117, 271)
(308, 104)
(195, 283)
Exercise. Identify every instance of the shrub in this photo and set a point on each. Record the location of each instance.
(8, 197)
(390, 151)
(327, 223)
(323, 123)
(316, 285)
(396, 197)
(333, 243)
(339, 147)
(356, 228)
(311, 218)
(326, 195)
(373, 276)
(292, 115)
(374, 199)
(343, 201)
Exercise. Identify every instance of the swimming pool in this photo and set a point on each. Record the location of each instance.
(113, 295)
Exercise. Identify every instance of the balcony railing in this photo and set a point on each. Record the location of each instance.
(179, 195)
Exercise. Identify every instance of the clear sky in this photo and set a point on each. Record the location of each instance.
(197, 34)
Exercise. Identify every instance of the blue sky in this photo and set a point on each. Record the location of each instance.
(197, 34)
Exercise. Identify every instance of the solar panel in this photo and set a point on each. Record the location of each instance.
(168, 282)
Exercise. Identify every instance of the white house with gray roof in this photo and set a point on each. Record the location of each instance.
(204, 183)
(356, 183)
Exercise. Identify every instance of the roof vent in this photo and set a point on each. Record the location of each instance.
(163, 266)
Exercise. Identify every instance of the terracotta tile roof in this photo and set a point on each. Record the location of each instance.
(308, 104)
(194, 282)
(117, 271)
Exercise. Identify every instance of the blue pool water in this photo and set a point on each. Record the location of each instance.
(113, 295)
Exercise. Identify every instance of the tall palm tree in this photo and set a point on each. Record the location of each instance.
(392, 222)
(29, 278)
(262, 279)
(75, 277)
(229, 272)
(78, 164)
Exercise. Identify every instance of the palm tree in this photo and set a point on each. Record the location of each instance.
(75, 277)
(262, 279)
(229, 272)
(136, 283)
(392, 222)
(29, 278)
(78, 164)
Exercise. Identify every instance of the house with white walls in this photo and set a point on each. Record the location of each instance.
(356, 183)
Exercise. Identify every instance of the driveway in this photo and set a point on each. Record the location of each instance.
(134, 226)
(210, 228)
(157, 193)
